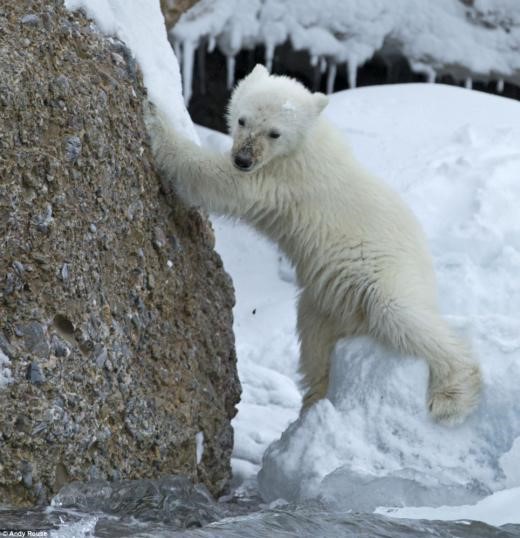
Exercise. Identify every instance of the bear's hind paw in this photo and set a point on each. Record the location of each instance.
(454, 400)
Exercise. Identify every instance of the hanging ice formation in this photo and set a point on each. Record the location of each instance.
(331, 77)
(352, 68)
(269, 55)
(188, 50)
(230, 67)
(347, 33)
(427, 70)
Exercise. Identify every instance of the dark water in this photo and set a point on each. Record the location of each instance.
(173, 507)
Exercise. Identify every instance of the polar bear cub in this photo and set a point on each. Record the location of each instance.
(360, 256)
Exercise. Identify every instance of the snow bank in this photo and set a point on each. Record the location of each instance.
(445, 36)
(498, 509)
(455, 157)
(140, 25)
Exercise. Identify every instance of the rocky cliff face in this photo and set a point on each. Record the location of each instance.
(173, 9)
(116, 344)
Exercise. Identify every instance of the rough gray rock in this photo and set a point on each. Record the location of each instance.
(115, 311)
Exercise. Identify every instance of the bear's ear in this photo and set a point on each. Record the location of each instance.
(259, 71)
(320, 101)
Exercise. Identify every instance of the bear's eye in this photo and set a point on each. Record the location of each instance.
(274, 134)
(241, 122)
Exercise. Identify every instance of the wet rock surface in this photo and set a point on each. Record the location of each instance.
(115, 311)
(172, 500)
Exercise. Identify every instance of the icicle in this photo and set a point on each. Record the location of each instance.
(424, 69)
(178, 50)
(201, 67)
(230, 66)
(352, 72)
(331, 77)
(323, 64)
(211, 43)
(316, 77)
(314, 60)
(269, 54)
(500, 85)
(468, 83)
(187, 70)
(235, 37)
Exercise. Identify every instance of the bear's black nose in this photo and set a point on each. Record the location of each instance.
(242, 162)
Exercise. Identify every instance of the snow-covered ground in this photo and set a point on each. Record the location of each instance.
(455, 157)
(497, 509)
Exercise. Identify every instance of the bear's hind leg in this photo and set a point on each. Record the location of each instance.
(455, 379)
(318, 335)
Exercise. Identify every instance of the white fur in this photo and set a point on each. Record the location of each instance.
(360, 255)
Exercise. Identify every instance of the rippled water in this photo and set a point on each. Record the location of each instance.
(173, 507)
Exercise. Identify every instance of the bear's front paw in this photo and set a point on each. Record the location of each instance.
(159, 134)
(152, 120)
(451, 400)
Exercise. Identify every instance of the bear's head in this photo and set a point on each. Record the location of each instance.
(269, 117)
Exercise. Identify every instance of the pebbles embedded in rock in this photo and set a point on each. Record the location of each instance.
(65, 271)
(6, 347)
(34, 374)
(159, 238)
(101, 358)
(30, 20)
(43, 220)
(35, 339)
(72, 148)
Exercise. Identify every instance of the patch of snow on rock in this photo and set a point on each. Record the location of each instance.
(5, 371)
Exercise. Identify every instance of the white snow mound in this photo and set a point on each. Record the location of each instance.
(455, 157)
